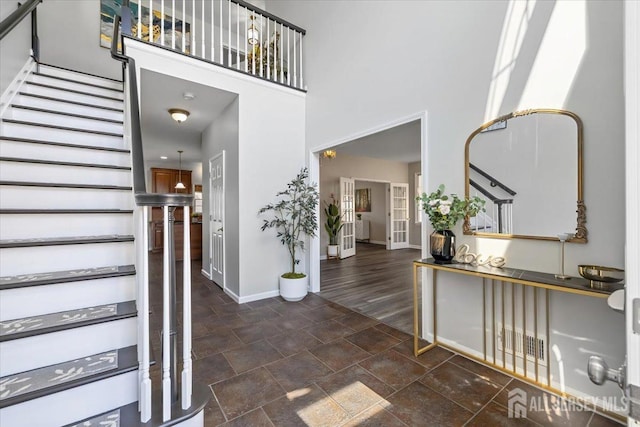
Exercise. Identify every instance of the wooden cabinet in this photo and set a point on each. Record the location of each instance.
(196, 240)
(163, 181)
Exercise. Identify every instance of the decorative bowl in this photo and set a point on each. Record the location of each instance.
(598, 273)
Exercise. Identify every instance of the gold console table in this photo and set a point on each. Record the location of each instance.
(494, 279)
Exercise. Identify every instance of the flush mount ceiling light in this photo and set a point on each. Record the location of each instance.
(253, 35)
(179, 115)
(329, 154)
(180, 185)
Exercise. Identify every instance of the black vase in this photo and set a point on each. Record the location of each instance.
(443, 246)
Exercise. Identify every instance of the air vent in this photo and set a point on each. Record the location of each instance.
(527, 345)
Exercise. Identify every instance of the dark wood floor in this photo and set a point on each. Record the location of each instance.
(376, 282)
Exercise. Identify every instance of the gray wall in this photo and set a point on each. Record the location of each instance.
(362, 168)
(222, 134)
(415, 229)
(462, 75)
(15, 47)
(70, 37)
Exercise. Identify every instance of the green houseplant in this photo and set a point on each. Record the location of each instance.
(333, 225)
(294, 216)
(444, 212)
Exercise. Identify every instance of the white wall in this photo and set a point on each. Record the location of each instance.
(449, 72)
(70, 37)
(222, 134)
(270, 153)
(15, 47)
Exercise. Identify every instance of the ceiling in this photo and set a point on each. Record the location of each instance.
(400, 143)
(162, 136)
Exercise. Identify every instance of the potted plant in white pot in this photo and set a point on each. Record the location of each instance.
(333, 225)
(294, 216)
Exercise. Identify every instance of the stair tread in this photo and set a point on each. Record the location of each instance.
(64, 211)
(58, 241)
(43, 381)
(110, 418)
(65, 128)
(79, 92)
(49, 76)
(53, 277)
(79, 72)
(64, 185)
(54, 322)
(63, 113)
(68, 101)
(60, 163)
(63, 144)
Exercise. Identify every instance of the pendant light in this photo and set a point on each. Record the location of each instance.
(253, 35)
(180, 185)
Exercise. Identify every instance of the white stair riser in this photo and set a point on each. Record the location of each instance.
(57, 347)
(63, 198)
(69, 154)
(74, 404)
(20, 302)
(62, 120)
(75, 86)
(63, 225)
(80, 77)
(18, 171)
(41, 259)
(60, 135)
(66, 107)
(78, 97)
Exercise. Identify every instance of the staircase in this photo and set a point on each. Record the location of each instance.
(68, 326)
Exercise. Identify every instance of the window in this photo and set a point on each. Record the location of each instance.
(418, 187)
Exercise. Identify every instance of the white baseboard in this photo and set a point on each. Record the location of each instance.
(323, 257)
(14, 87)
(256, 297)
(415, 246)
(205, 274)
(233, 296)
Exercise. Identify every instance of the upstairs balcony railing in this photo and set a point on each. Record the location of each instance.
(230, 33)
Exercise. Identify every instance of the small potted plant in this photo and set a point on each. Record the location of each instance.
(294, 215)
(444, 212)
(333, 226)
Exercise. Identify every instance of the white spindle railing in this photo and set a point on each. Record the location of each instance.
(202, 29)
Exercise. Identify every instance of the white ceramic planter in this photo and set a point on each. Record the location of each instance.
(293, 289)
(332, 250)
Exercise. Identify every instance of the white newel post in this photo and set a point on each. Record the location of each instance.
(166, 325)
(143, 315)
(186, 312)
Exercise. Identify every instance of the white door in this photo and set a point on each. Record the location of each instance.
(399, 215)
(347, 207)
(216, 219)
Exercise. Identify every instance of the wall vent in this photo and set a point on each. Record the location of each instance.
(509, 340)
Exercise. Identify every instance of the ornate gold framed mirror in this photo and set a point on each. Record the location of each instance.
(527, 165)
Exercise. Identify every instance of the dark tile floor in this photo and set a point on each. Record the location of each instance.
(316, 363)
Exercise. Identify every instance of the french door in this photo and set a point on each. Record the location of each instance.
(399, 216)
(347, 206)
